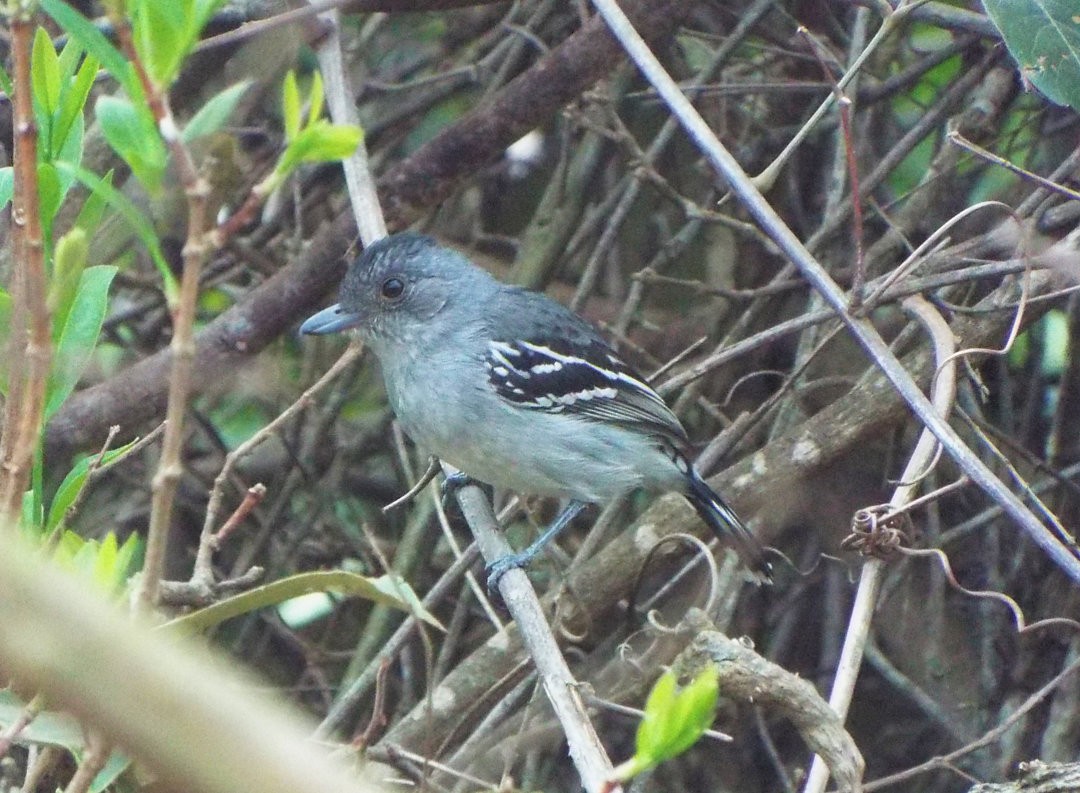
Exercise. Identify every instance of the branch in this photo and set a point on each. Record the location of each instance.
(586, 751)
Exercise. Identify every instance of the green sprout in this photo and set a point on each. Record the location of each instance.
(313, 139)
(674, 720)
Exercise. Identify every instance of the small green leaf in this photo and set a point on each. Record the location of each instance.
(75, 481)
(673, 720)
(212, 115)
(69, 60)
(694, 710)
(5, 82)
(73, 101)
(79, 335)
(99, 561)
(300, 612)
(50, 194)
(290, 106)
(133, 135)
(654, 723)
(321, 142)
(45, 72)
(69, 261)
(81, 30)
(161, 37)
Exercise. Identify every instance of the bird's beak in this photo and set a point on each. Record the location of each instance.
(330, 320)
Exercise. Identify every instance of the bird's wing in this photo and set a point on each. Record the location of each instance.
(582, 376)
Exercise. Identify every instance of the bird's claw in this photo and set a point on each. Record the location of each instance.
(451, 484)
(500, 567)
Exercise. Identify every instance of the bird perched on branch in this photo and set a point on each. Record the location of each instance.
(514, 389)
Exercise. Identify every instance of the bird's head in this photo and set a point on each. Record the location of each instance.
(397, 288)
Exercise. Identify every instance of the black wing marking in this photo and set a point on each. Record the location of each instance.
(584, 378)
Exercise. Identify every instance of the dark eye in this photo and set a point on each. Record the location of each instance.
(393, 288)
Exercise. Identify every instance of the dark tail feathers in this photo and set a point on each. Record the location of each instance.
(726, 524)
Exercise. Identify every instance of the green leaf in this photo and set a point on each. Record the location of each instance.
(69, 60)
(290, 106)
(1044, 38)
(69, 261)
(134, 136)
(81, 30)
(161, 37)
(321, 142)
(5, 82)
(50, 728)
(393, 592)
(73, 102)
(101, 562)
(79, 335)
(695, 708)
(45, 72)
(50, 195)
(212, 115)
(673, 720)
(127, 210)
(75, 481)
(658, 706)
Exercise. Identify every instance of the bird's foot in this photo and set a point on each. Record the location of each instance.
(500, 567)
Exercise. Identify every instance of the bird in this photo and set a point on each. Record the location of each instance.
(516, 390)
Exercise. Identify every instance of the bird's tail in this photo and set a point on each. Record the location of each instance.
(726, 525)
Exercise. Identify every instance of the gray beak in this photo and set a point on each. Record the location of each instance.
(330, 320)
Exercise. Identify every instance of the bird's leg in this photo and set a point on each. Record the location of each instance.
(499, 567)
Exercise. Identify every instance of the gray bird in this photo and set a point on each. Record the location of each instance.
(514, 389)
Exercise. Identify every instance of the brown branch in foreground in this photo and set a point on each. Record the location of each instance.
(31, 339)
(414, 185)
(746, 676)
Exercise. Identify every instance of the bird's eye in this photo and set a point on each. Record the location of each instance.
(393, 288)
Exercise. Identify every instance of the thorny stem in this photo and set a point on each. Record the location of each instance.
(170, 468)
